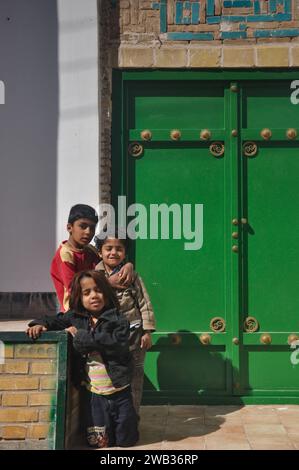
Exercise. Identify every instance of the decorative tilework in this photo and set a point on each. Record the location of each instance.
(182, 20)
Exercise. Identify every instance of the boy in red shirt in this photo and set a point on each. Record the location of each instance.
(75, 254)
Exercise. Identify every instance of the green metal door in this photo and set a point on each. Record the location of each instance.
(183, 144)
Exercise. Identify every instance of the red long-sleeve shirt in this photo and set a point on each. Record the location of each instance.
(65, 264)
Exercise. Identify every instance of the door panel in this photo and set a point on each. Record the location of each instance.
(270, 194)
(195, 278)
(176, 105)
(273, 248)
(268, 369)
(188, 288)
(267, 104)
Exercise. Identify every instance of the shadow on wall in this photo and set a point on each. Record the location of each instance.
(28, 136)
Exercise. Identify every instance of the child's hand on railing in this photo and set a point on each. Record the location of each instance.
(72, 330)
(35, 331)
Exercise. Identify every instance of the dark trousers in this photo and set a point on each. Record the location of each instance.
(111, 420)
(138, 377)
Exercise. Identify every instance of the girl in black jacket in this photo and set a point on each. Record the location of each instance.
(101, 335)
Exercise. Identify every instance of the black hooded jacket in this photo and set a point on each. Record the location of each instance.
(110, 337)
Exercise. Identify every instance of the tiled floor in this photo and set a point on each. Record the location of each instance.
(219, 427)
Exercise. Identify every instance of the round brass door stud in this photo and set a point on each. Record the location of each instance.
(146, 134)
(266, 339)
(217, 324)
(205, 339)
(235, 235)
(244, 221)
(175, 134)
(292, 338)
(291, 133)
(135, 149)
(251, 325)
(234, 88)
(235, 222)
(236, 341)
(266, 134)
(234, 132)
(250, 149)
(235, 248)
(176, 339)
(217, 149)
(205, 134)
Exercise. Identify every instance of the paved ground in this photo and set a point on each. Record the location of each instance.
(212, 427)
(219, 427)
(254, 427)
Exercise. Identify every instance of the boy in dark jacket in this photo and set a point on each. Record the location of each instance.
(101, 335)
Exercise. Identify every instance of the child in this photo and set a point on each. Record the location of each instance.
(101, 334)
(75, 254)
(134, 304)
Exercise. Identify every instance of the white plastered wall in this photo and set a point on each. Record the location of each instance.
(49, 131)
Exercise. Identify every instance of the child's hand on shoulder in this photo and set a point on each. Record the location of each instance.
(146, 341)
(123, 278)
(72, 330)
(35, 331)
(114, 281)
(126, 274)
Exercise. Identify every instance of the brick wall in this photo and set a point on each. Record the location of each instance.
(208, 33)
(28, 384)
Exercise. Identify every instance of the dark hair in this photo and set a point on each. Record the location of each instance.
(101, 282)
(82, 211)
(116, 233)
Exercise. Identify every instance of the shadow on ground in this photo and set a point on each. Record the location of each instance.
(177, 427)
